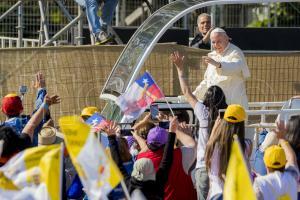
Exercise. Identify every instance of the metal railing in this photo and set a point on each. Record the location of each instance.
(44, 28)
(9, 42)
(261, 109)
(20, 18)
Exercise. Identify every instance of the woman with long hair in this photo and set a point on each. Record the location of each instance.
(293, 135)
(214, 100)
(206, 112)
(218, 148)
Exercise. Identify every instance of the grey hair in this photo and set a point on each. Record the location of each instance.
(202, 15)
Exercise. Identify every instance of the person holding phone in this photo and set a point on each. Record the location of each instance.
(144, 177)
(14, 142)
(158, 116)
(179, 184)
(12, 107)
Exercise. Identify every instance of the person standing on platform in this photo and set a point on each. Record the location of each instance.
(226, 68)
(202, 39)
(99, 24)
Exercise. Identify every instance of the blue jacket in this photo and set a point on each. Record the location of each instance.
(18, 123)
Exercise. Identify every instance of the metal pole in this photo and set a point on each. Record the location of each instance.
(80, 27)
(10, 10)
(41, 34)
(20, 25)
(213, 19)
(63, 30)
(125, 190)
(269, 15)
(118, 14)
(185, 22)
(43, 19)
(64, 10)
(222, 18)
(123, 13)
(275, 15)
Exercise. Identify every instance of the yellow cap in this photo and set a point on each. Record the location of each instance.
(89, 111)
(11, 95)
(274, 157)
(235, 113)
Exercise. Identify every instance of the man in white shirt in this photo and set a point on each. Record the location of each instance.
(281, 181)
(226, 68)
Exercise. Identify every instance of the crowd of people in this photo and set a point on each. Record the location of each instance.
(171, 163)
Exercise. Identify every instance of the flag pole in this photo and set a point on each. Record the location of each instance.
(61, 170)
(169, 106)
(125, 190)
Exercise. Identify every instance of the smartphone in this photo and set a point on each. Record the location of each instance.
(154, 111)
(23, 89)
(221, 113)
(126, 132)
(164, 124)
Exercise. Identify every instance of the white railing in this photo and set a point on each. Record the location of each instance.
(261, 109)
(10, 42)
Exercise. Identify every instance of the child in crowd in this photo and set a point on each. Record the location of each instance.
(293, 135)
(282, 171)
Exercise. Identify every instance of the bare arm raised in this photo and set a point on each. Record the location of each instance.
(39, 114)
(178, 59)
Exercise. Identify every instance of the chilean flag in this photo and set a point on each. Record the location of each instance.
(97, 121)
(138, 97)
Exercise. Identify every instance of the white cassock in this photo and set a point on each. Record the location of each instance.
(230, 77)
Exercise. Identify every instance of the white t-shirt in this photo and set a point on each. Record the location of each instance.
(216, 184)
(201, 113)
(277, 184)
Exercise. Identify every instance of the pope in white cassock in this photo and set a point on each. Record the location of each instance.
(226, 68)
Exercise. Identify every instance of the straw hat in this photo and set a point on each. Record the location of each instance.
(49, 135)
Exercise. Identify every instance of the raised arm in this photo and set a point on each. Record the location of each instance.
(166, 162)
(139, 124)
(185, 139)
(178, 59)
(37, 117)
(111, 131)
(141, 141)
(288, 150)
(40, 85)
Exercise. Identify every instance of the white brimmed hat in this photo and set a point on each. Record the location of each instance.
(49, 135)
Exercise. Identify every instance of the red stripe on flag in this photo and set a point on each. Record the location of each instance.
(155, 91)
